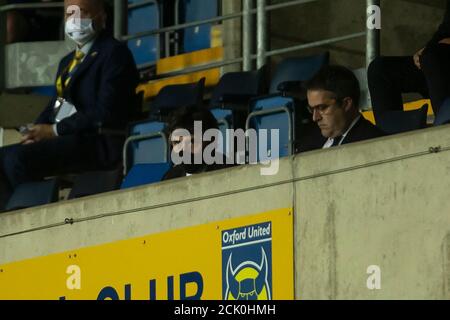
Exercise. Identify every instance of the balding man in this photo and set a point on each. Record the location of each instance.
(95, 93)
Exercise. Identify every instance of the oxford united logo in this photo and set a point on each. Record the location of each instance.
(247, 263)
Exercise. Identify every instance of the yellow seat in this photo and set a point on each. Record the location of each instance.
(180, 62)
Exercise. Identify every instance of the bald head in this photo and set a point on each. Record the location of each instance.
(93, 9)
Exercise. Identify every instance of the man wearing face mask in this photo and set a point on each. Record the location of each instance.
(95, 97)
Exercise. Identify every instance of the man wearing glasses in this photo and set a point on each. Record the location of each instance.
(333, 100)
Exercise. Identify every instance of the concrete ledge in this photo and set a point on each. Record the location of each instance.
(382, 202)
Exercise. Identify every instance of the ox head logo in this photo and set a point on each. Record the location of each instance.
(248, 281)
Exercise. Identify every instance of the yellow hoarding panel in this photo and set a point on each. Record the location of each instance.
(244, 258)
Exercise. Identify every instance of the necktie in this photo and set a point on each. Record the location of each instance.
(336, 141)
(72, 68)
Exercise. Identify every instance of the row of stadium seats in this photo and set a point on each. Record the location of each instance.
(149, 18)
(240, 100)
(150, 50)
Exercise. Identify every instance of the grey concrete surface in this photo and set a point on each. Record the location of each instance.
(381, 202)
(35, 63)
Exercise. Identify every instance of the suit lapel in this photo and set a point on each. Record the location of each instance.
(352, 135)
(87, 62)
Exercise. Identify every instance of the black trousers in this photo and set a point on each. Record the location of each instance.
(389, 77)
(61, 155)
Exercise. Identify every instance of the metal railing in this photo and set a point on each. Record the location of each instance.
(247, 15)
(262, 33)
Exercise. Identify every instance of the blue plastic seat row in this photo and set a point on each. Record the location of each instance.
(237, 102)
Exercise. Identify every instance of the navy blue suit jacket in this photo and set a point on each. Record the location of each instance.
(362, 130)
(444, 29)
(102, 89)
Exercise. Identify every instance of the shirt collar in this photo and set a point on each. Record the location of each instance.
(87, 47)
(330, 141)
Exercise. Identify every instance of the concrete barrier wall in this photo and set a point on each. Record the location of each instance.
(37, 65)
(383, 202)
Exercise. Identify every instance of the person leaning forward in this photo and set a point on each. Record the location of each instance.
(333, 100)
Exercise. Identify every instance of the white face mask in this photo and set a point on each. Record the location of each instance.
(80, 31)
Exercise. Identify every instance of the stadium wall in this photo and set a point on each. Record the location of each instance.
(377, 203)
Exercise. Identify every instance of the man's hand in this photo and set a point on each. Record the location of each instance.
(445, 41)
(38, 133)
(417, 58)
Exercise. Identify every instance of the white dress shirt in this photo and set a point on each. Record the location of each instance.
(330, 141)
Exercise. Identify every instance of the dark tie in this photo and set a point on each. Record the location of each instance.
(336, 141)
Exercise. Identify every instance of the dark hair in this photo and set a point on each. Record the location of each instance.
(185, 117)
(338, 80)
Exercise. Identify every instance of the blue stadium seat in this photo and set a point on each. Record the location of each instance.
(224, 120)
(140, 19)
(147, 143)
(196, 38)
(235, 89)
(142, 174)
(175, 96)
(48, 91)
(393, 122)
(443, 116)
(91, 183)
(33, 194)
(293, 71)
(281, 111)
(230, 98)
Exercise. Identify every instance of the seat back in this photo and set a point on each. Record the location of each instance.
(272, 113)
(146, 50)
(32, 194)
(237, 88)
(393, 122)
(48, 91)
(96, 182)
(147, 143)
(297, 69)
(142, 174)
(224, 120)
(174, 96)
(443, 115)
(199, 37)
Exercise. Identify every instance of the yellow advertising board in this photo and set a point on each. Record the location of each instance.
(245, 258)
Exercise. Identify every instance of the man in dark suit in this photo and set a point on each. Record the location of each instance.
(98, 81)
(427, 72)
(333, 99)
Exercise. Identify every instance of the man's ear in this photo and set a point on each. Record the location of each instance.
(100, 21)
(347, 104)
(104, 16)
